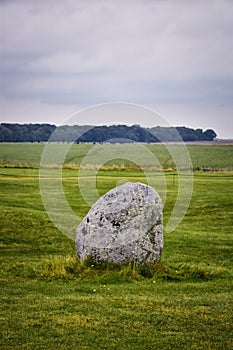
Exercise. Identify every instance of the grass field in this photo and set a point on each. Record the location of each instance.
(50, 301)
(217, 157)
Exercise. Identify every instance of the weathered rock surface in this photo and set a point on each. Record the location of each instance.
(123, 225)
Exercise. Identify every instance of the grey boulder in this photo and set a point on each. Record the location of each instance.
(124, 225)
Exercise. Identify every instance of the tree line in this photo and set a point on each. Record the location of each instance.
(114, 133)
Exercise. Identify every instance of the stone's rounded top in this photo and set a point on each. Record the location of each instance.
(131, 188)
(123, 225)
(130, 194)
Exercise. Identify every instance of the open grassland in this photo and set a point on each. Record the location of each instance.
(215, 157)
(51, 301)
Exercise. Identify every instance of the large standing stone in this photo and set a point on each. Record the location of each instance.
(124, 225)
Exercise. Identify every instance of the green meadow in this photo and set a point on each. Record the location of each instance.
(216, 157)
(49, 300)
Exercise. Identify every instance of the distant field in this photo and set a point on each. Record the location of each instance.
(51, 301)
(215, 157)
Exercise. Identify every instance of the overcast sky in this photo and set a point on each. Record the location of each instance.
(175, 56)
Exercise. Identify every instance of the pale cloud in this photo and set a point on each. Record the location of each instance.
(159, 53)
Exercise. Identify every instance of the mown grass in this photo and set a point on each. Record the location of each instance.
(49, 300)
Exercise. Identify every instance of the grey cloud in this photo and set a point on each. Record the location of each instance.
(84, 52)
(132, 38)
